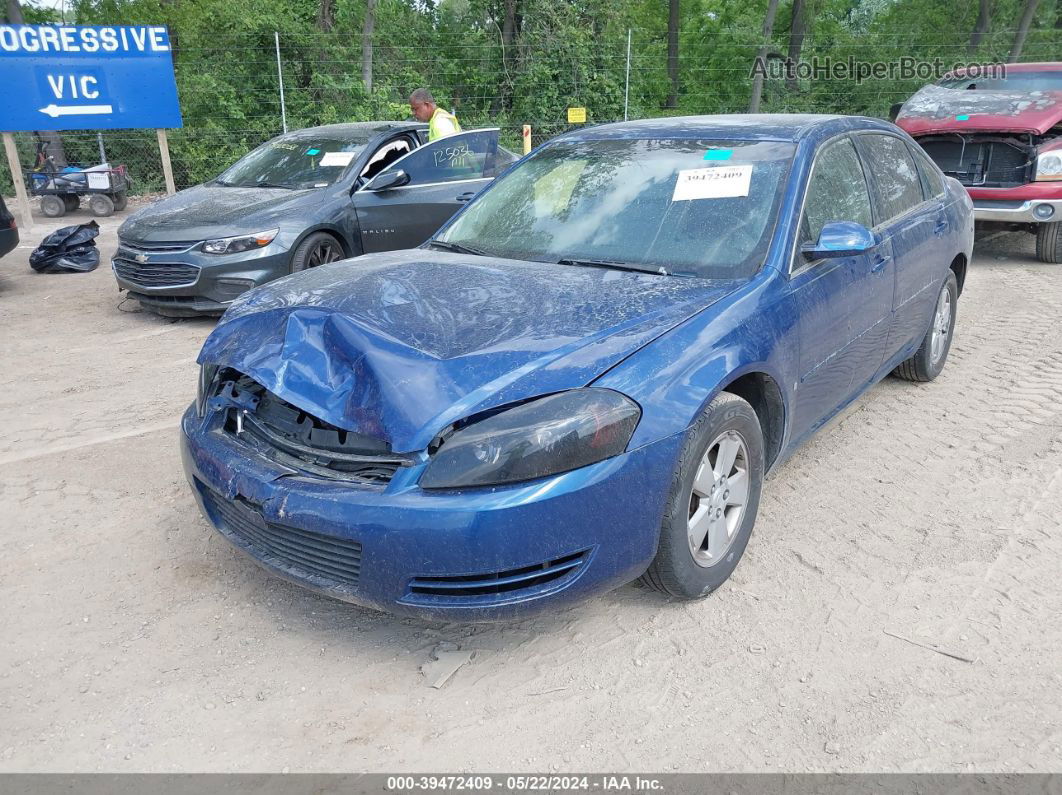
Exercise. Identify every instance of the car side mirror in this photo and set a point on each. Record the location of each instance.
(388, 180)
(840, 239)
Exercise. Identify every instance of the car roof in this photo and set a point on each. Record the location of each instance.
(761, 126)
(1041, 66)
(357, 129)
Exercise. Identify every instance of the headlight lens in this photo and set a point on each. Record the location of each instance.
(1049, 165)
(543, 437)
(234, 245)
(206, 381)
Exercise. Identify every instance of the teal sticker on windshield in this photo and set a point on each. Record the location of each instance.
(718, 154)
(313, 151)
(963, 117)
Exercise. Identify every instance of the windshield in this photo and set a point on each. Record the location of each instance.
(1016, 81)
(295, 162)
(697, 208)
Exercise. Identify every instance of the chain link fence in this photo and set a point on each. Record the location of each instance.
(230, 91)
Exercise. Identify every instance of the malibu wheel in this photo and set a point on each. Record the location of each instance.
(320, 248)
(931, 355)
(712, 505)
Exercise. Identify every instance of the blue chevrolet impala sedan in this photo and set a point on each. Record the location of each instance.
(583, 377)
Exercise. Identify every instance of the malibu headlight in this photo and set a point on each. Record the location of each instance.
(1049, 165)
(542, 437)
(207, 373)
(234, 245)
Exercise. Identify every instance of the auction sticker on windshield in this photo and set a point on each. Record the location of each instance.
(712, 183)
(337, 158)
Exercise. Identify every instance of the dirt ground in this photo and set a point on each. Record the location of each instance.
(899, 607)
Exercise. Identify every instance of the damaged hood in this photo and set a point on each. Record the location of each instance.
(398, 345)
(210, 211)
(934, 109)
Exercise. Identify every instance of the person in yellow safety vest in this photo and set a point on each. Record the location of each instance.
(440, 122)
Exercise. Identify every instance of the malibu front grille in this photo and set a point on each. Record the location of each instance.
(153, 274)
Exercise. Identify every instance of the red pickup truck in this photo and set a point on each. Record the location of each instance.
(1001, 137)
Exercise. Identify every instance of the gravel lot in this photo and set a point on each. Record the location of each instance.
(899, 607)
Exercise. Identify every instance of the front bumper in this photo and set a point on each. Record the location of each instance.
(1018, 211)
(471, 555)
(184, 282)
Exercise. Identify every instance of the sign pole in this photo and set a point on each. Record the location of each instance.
(19, 180)
(280, 79)
(627, 81)
(167, 169)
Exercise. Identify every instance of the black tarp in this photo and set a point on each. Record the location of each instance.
(71, 249)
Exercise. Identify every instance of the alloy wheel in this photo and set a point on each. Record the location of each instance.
(323, 253)
(718, 498)
(938, 340)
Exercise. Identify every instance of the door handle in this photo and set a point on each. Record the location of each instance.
(466, 196)
(941, 227)
(879, 262)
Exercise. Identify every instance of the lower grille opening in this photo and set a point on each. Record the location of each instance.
(500, 582)
(331, 560)
(296, 438)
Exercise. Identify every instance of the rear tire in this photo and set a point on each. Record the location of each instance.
(932, 354)
(53, 206)
(707, 489)
(101, 205)
(1049, 243)
(320, 248)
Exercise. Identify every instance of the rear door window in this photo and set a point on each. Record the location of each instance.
(897, 186)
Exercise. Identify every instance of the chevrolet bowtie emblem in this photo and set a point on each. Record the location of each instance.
(141, 258)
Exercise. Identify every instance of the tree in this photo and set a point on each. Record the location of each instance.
(980, 26)
(1027, 14)
(761, 56)
(797, 26)
(14, 13)
(510, 30)
(673, 52)
(366, 44)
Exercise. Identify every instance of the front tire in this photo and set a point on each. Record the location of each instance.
(1049, 243)
(932, 354)
(320, 248)
(712, 506)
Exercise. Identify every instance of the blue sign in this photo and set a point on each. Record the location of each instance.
(86, 77)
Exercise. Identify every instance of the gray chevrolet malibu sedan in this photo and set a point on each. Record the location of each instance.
(300, 200)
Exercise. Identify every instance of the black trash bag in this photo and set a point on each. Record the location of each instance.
(71, 249)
